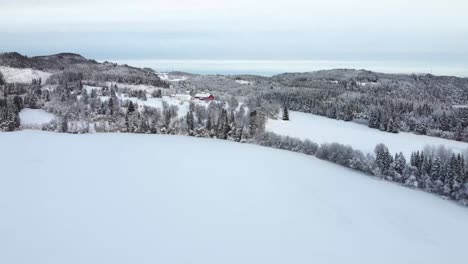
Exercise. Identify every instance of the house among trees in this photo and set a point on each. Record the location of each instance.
(204, 96)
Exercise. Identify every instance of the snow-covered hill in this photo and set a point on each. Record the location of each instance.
(128, 198)
(17, 75)
(320, 129)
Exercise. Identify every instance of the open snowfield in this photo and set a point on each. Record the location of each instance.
(127, 198)
(16, 75)
(168, 77)
(321, 129)
(34, 118)
(243, 82)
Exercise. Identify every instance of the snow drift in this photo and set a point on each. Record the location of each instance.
(127, 198)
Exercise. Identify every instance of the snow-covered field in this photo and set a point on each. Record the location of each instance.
(168, 77)
(243, 82)
(326, 130)
(15, 75)
(128, 198)
(34, 118)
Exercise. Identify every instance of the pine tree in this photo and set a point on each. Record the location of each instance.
(153, 126)
(111, 106)
(383, 159)
(459, 132)
(400, 163)
(348, 113)
(127, 124)
(64, 125)
(285, 113)
(190, 123)
(226, 128)
(209, 124)
(450, 175)
(436, 169)
(253, 125)
(131, 107)
(2, 80)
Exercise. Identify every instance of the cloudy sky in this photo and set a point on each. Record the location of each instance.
(430, 30)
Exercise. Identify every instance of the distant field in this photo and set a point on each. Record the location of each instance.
(325, 130)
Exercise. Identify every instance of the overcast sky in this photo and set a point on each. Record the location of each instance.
(431, 30)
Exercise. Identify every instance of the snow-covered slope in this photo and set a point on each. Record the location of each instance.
(128, 198)
(34, 118)
(168, 77)
(326, 130)
(16, 75)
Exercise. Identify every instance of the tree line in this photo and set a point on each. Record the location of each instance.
(435, 170)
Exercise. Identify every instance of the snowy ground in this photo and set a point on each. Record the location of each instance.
(168, 77)
(15, 75)
(243, 82)
(326, 130)
(34, 118)
(127, 198)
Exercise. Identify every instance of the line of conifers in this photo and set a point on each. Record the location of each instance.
(435, 170)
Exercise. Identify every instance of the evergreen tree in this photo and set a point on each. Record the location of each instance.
(2, 80)
(253, 123)
(209, 124)
(285, 113)
(400, 163)
(226, 128)
(131, 107)
(459, 135)
(111, 106)
(436, 169)
(190, 123)
(64, 124)
(127, 123)
(383, 160)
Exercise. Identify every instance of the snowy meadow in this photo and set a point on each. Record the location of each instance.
(321, 130)
(126, 198)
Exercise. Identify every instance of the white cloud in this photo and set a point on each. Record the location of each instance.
(338, 26)
(384, 14)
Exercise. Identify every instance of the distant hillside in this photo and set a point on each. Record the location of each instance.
(59, 61)
(309, 79)
(73, 67)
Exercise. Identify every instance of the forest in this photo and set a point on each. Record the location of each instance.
(422, 104)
